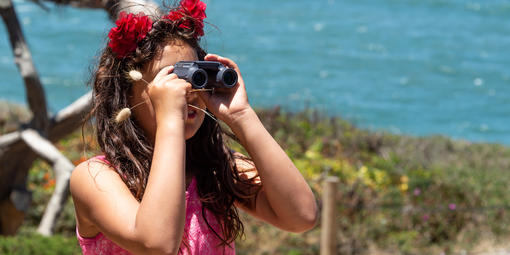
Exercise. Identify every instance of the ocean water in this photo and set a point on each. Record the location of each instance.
(418, 67)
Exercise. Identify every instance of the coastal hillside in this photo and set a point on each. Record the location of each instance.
(397, 193)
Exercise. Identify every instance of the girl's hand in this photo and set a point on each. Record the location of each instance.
(168, 95)
(227, 104)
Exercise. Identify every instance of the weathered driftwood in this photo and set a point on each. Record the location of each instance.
(23, 59)
(62, 167)
(112, 7)
(20, 148)
(16, 158)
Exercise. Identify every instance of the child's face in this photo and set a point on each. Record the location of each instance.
(172, 53)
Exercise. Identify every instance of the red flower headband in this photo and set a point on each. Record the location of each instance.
(190, 8)
(131, 29)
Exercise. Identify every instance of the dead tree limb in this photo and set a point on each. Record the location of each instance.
(17, 155)
(112, 7)
(70, 118)
(62, 167)
(35, 93)
(16, 159)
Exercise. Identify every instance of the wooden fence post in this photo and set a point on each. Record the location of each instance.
(329, 212)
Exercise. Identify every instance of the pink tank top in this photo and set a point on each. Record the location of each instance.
(200, 239)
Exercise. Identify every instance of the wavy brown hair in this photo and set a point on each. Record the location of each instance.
(129, 150)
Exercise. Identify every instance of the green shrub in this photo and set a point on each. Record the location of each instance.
(34, 244)
(397, 193)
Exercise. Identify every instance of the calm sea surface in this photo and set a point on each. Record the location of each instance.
(417, 67)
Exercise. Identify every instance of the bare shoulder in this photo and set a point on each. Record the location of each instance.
(99, 194)
(92, 176)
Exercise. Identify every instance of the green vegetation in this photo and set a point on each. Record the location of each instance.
(28, 242)
(398, 194)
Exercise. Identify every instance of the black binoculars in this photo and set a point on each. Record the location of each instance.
(206, 74)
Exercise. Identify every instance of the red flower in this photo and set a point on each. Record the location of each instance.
(129, 31)
(195, 8)
(191, 8)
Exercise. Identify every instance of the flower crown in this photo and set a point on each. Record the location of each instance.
(131, 28)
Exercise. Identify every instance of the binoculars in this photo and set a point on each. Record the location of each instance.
(206, 74)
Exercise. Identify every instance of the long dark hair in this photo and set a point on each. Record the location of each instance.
(129, 150)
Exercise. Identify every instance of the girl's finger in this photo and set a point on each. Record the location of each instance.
(163, 72)
(226, 61)
(189, 87)
(168, 78)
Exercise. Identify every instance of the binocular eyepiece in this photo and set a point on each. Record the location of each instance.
(206, 74)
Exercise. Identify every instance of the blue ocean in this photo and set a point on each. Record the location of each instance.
(418, 67)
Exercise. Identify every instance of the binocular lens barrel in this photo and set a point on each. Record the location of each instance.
(199, 79)
(206, 74)
(228, 77)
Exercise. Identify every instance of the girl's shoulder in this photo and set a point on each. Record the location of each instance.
(88, 180)
(93, 171)
(103, 203)
(92, 180)
(91, 168)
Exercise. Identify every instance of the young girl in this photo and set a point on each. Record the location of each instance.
(167, 183)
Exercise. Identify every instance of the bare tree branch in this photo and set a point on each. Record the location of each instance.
(8, 140)
(112, 7)
(65, 121)
(23, 59)
(70, 118)
(62, 167)
(134, 6)
(17, 146)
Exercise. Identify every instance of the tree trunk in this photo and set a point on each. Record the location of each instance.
(16, 159)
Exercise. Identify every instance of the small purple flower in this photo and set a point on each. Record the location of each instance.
(425, 217)
(452, 206)
(417, 191)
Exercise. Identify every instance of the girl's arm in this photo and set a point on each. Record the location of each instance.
(155, 225)
(285, 199)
